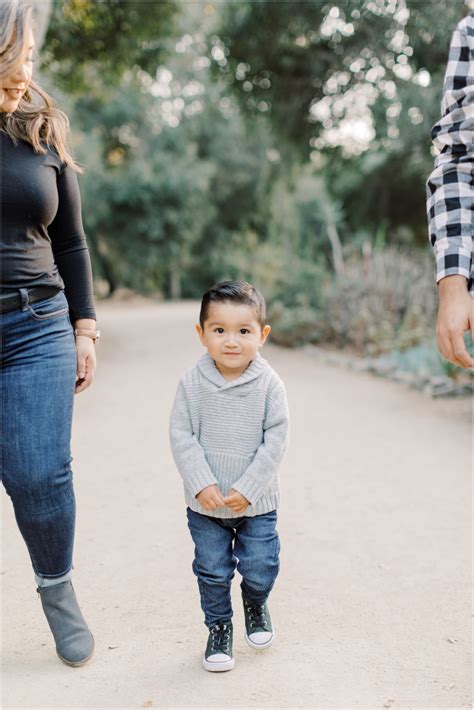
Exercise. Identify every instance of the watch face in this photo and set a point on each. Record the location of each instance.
(97, 334)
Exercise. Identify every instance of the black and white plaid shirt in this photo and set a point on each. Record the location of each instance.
(450, 187)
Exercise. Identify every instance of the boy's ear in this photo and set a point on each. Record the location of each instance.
(199, 331)
(266, 330)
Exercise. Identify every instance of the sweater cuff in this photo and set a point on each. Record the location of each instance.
(198, 481)
(74, 316)
(249, 488)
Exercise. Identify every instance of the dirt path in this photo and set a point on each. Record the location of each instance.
(372, 608)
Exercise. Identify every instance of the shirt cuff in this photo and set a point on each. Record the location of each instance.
(454, 263)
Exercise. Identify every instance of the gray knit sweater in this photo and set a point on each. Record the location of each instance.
(232, 433)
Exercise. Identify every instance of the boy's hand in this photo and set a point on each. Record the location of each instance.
(236, 501)
(210, 498)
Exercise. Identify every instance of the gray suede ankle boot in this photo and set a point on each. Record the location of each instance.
(74, 641)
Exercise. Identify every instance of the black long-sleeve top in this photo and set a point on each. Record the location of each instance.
(42, 240)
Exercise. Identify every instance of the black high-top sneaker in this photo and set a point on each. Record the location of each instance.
(218, 655)
(258, 624)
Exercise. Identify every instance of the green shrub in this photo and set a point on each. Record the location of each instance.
(386, 300)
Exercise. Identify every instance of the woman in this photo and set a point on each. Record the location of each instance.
(46, 286)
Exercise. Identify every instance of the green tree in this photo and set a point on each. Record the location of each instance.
(282, 58)
(145, 194)
(353, 85)
(91, 44)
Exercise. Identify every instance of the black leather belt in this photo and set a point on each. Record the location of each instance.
(11, 300)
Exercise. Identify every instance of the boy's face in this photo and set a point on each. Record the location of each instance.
(232, 336)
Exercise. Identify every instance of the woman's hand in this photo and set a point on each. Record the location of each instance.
(86, 362)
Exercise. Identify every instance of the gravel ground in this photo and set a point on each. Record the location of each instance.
(372, 608)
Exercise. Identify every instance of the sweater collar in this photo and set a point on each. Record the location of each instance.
(208, 369)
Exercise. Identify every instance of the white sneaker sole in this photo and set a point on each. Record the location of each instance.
(259, 646)
(218, 666)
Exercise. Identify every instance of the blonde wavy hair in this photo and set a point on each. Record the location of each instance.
(37, 120)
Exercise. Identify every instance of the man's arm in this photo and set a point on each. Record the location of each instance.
(450, 197)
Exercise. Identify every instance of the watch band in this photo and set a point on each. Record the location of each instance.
(92, 334)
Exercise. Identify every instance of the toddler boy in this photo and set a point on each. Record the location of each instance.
(228, 433)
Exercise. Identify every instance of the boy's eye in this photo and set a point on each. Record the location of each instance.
(218, 330)
(244, 330)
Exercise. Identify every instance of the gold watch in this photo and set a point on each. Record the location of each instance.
(92, 334)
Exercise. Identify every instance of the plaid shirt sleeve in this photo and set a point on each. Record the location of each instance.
(450, 194)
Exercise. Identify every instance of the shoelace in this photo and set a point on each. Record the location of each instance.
(256, 614)
(220, 637)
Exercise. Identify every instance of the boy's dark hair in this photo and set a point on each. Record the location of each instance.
(235, 292)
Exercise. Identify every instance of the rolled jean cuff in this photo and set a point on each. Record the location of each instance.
(253, 595)
(52, 581)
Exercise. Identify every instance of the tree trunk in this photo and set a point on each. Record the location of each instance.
(175, 282)
(336, 247)
(105, 264)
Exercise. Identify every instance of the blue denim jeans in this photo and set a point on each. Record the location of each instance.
(249, 544)
(37, 379)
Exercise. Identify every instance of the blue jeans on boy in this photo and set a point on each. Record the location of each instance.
(249, 544)
(37, 379)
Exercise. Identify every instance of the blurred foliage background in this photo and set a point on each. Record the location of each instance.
(286, 143)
